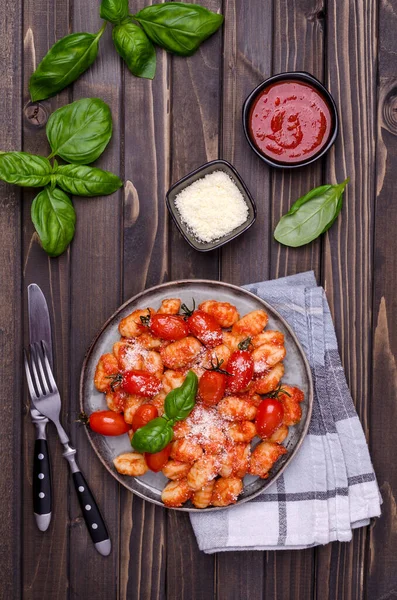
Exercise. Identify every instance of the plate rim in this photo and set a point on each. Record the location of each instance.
(241, 290)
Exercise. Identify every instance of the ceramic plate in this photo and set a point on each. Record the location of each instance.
(297, 372)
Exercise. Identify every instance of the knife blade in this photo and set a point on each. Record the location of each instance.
(40, 330)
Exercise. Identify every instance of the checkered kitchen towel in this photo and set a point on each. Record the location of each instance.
(330, 487)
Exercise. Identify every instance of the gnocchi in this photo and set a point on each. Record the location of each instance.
(215, 446)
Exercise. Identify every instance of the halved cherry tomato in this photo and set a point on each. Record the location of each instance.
(241, 368)
(269, 417)
(168, 327)
(205, 328)
(140, 383)
(144, 414)
(156, 461)
(108, 422)
(211, 388)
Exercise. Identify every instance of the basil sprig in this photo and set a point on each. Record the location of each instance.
(158, 433)
(178, 27)
(311, 215)
(82, 130)
(175, 26)
(79, 132)
(64, 63)
(54, 219)
(135, 48)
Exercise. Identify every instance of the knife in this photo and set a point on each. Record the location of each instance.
(40, 329)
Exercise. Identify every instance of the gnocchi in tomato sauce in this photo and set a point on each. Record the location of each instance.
(220, 441)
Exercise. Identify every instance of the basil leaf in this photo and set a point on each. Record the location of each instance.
(337, 211)
(82, 180)
(114, 10)
(64, 62)
(178, 27)
(153, 437)
(310, 215)
(179, 402)
(22, 168)
(79, 132)
(136, 49)
(54, 219)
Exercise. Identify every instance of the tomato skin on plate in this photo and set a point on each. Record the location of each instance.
(108, 422)
(290, 121)
(156, 461)
(140, 383)
(168, 327)
(241, 368)
(269, 417)
(211, 388)
(144, 414)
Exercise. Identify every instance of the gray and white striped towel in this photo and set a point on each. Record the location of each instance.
(330, 487)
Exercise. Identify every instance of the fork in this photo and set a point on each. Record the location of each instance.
(45, 397)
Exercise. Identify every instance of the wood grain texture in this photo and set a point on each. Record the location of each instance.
(246, 62)
(146, 128)
(348, 247)
(10, 308)
(53, 278)
(298, 45)
(195, 111)
(189, 114)
(95, 294)
(382, 543)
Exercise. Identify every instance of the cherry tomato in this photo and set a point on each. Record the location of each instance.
(269, 416)
(169, 327)
(205, 328)
(141, 383)
(212, 387)
(241, 368)
(108, 422)
(144, 414)
(156, 461)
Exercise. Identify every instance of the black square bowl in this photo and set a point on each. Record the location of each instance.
(210, 167)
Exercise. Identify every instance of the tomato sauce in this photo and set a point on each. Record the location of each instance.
(290, 122)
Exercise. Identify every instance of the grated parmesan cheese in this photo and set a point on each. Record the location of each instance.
(212, 206)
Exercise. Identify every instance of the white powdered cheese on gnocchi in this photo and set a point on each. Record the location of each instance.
(212, 206)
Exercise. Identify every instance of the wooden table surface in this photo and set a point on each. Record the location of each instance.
(189, 114)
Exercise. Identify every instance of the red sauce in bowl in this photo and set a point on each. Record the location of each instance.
(290, 121)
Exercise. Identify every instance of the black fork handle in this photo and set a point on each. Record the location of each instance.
(92, 515)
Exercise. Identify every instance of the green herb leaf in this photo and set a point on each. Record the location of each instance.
(180, 402)
(82, 180)
(114, 11)
(64, 63)
(22, 168)
(153, 437)
(310, 216)
(136, 49)
(178, 27)
(79, 132)
(54, 219)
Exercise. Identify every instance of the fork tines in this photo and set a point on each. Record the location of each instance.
(38, 371)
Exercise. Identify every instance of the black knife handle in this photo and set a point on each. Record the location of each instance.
(92, 516)
(42, 496)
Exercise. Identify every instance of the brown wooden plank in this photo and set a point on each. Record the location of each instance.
(381, 550)
(146, 162)
(95, 294)
(10, 307)
(298, 45)
(195, 112)
(52, 276)
(247, 62)
(347, 260)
